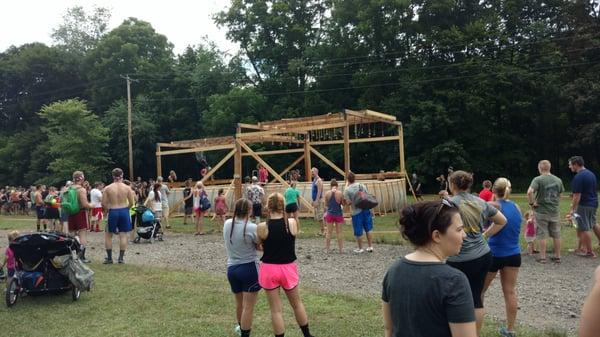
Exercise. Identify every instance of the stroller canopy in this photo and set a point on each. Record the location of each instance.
(31, 248)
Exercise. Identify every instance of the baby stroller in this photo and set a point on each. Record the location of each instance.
(47, 263)
(148, 227)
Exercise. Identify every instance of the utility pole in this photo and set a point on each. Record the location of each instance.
(129, 126)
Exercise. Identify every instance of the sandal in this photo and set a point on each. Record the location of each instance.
(541, 260)
(555, 259)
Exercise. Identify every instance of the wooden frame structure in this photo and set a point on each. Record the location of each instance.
(305, 134)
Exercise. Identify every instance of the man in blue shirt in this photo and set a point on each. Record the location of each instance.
(585, 204)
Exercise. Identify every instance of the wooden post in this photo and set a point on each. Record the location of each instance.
(237, 168)
(291, 166)
(216, 167)
(401, 148)
(307, 163)
(158, 162)
(346, 148)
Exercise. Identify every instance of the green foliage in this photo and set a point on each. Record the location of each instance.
(80, 31)
(77, 141)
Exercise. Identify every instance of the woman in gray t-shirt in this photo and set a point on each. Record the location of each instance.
(241, 241)
(474, 258)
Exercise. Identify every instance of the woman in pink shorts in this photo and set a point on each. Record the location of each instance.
(278, 267)
(334, 215)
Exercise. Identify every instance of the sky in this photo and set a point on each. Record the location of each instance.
(182, 22)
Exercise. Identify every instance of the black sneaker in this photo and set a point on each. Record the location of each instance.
(107, 261)
(120, 261)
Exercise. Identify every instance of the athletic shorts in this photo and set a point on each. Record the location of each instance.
(119, 220)
(165, 212)
(189, 210)
(40, 211)
(198, 211)
(257, 210)
(10, 272)
(547, 225)
(505, 261)
(97, 214)
(334, 218)
(272, 276)
(362, 221)
(243, 277)
(587, 218)
(476, 271)
(291, 208)
(78, 221)
(52, 213)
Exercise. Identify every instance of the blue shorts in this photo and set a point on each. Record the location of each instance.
(11, 272)
(119, 220)
(362, 221)
(243, 277)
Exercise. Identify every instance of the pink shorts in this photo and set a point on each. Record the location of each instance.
(273, 276)
(334, 218)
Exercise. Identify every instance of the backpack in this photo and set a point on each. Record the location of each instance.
(204, 203)
(70, 202)
(364, 200)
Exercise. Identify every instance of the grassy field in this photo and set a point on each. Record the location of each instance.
(133, 301)
(141, 301)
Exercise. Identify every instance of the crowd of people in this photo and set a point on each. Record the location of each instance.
(462, 241)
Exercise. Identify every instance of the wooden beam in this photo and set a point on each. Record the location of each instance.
(272, 139)
(237, 168)
(272, 171)
(327, 161)
(197, 149)
(371, 118)
(346, 148)
(219, 164)
(355, 140)
(401, 148)
(291, 166)
(307, 163)
(158, 161)
(250, 126)
(266, 153)
(291, 130)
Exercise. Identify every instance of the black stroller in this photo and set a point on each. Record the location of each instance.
(148, 226)
(37, 272)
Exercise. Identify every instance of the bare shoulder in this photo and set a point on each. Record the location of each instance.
(262, 230)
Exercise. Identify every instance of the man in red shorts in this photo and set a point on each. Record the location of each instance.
(78, 223)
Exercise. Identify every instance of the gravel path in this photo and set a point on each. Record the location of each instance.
(550, 295)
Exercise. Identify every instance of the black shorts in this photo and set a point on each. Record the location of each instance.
(189, 210)
(257, 210)
(40, 212)
(291, 208)
(505, 261)
(476, 271)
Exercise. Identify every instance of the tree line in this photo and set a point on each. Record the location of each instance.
(491, 86)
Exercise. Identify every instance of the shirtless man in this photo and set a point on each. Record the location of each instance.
(117, 198)
(78, 222)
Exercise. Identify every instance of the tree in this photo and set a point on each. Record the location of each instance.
(80, 32)
(78, 141)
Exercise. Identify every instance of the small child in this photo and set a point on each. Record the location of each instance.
(220, 208)
(9, 260)
(530, 233)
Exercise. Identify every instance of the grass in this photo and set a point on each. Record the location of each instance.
(134, 301)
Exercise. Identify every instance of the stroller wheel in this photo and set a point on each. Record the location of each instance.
(136, 240)
(12, 293)
(75, 293)
(160, 238)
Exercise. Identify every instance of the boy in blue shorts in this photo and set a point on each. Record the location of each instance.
(362, 219)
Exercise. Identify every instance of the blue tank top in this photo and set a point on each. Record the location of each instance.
(333, 207)
(315, 189)
(506, 242)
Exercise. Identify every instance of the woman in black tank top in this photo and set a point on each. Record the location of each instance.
(278, 267)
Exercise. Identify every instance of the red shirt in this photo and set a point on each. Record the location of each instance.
(486, 194)
(263, 175)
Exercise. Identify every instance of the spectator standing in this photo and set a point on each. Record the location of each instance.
(584, 206)
(188, 201)
(164, 195)
(96, 202)
(256, 194)
(292, 196)
(317, 199)
(334, 216)
(263, 175)
(362, 219)
(486, 193)
(544, 199)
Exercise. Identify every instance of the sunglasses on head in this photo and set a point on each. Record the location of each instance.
(443, 202)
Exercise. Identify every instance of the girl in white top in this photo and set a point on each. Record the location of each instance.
(198, 192)
(154, 200)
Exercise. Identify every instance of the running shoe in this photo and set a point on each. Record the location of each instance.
(505, 333)
(107, 261)
(370, 249)
(358, 250)
(238, 330)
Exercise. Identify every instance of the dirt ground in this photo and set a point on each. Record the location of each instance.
(550, 295)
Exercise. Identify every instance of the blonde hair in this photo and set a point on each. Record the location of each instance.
(12, 236)
(502, 188)
(199, 184)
